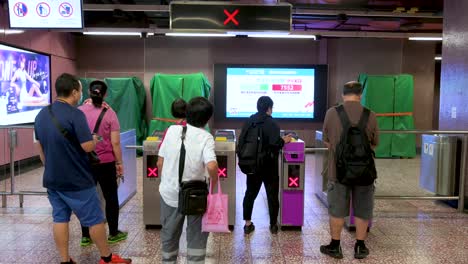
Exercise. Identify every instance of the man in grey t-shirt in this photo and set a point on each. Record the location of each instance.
(339, 194)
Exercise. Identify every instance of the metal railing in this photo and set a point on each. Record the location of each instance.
(13, 143)
(460, 198)
(464, 152)
(134, 147)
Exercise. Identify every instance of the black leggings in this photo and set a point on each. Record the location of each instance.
(254, 183)
(106, 176)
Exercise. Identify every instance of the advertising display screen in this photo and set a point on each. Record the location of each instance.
(292, 90)
(24, 85)
(298, 92)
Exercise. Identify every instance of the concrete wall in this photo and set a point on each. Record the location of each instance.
(123, 56)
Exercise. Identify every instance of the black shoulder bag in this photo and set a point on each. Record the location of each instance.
(92, 156)
(192, 194)
(99, 120)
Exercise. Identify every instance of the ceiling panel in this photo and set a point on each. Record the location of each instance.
(339, 15)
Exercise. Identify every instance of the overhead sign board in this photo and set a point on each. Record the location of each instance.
(46, 14)
(232, 17)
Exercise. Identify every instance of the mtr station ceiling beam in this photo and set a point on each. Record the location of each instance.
(296, 11)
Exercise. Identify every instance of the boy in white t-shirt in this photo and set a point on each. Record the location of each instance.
(200, 157)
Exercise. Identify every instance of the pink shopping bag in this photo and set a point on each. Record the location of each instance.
(216, 218)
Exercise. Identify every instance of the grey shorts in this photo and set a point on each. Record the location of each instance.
(339, 200)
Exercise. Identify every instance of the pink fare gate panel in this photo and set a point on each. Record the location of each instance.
(292, 208)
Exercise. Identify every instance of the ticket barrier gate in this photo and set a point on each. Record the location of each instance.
(151, 181)
(292, 172)
(225, 149)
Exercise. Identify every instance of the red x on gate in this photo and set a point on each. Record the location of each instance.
(153, 172)
(230, 17)
(222, 173)
(293, 182)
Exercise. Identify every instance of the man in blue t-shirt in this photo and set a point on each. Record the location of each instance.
(64, 139)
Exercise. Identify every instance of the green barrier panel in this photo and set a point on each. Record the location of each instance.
(404, 145)
(404, 93)
(391, 94)
(127, 97)
(384, 149)
(379, 93)
(165, 88)
(378, 96)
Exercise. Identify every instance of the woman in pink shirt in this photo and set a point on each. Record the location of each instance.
(106, 173)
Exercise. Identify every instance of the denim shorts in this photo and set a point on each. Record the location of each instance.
(84, 203)
(339, 199)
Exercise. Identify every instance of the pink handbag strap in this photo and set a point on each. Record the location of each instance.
(220, 191)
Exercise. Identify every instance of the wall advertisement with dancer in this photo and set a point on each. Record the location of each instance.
(24, 85)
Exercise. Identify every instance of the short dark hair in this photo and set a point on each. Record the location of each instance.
(263, 103)
(97, 91)
(179, 108)
(65, 84)
(352, 88)
(199, 111)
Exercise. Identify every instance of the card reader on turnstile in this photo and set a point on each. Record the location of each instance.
(292, 172)
(225, 148)
(151, 181)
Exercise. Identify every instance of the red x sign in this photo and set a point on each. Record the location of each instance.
(293, 182)
(152, 172)
(222, 173)
(230, 17)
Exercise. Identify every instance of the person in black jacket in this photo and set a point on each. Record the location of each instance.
(268, 173)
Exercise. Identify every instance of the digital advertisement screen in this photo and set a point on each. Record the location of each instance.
(24, 85)
(299, 92)
(47, 14)
(292, 91)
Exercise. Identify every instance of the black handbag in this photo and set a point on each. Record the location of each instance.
(193, 194)
(92, 156)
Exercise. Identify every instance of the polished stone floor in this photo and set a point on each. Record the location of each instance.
(403, 231)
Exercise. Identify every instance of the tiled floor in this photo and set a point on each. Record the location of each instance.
(403, 231)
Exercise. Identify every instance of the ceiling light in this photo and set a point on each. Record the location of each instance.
(426, 38)
(438, 58)
(282, 36)
(176, 34)
(98, 33)
(11, 31)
